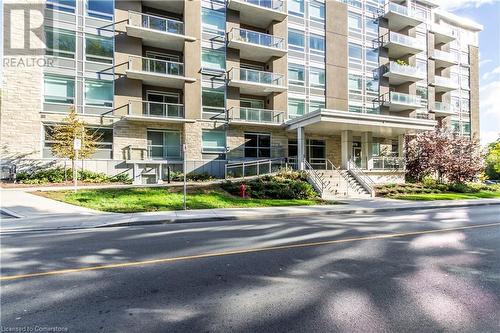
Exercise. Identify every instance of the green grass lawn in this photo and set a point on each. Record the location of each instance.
(447, 196)
(162, 199)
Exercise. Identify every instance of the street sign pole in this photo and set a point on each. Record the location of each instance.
(77, 145)
(184, 172)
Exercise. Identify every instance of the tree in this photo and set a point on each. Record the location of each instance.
(64, 135)
(444, 155)
(493, 160)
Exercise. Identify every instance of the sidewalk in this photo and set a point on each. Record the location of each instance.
(45, 214)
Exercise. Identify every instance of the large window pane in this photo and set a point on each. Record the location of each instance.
(67, 6)
(213, 21)
(212, 97)
(257, 145)
(102, 9)
(317, 44)
(98, 93)
(296, 7)
(164, 144)
(317, 11)
(296, 74)
(59, 89)
(213, 59)
(99, 48)
(355, 83)
(296, 107)
(355, 22)
(296, 40)
(214, 141)
(317, 77)
(355, 52)
(60, 42)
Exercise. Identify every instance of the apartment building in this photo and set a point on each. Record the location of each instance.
(321, 83)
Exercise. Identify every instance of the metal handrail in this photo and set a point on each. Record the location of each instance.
(388, 163)
(257, 38)
(360, 176)
(258, 163)
(159, 23)
(256, 76)
(255, 115)
(315, 177)
(157, 66)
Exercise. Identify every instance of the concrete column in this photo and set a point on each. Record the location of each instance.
(346, 147)
(367, 150)
(401, 145)
(301, 148)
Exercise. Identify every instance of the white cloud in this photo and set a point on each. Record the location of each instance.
(490, 111)
(456, 4)
(495, 73)
(484, 62)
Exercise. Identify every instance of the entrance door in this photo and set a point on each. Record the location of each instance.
(356, 155)
(316, 153)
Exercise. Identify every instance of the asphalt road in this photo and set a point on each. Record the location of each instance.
(416, 271)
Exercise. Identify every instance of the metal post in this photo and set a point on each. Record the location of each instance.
(184, 170)
(168, 174)
(75, 173)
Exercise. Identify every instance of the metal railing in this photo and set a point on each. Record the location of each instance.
(315, 178)
(445, 56)
(255, 115)
(444, 107)
(271, 4)
(155, 109)
(396, 68)
(400, 98)
(255, 76)
(257, 38)
(157, 66)
(155, 23)
(394, 37)
(254, 168)
(388, 163)
(361, 177)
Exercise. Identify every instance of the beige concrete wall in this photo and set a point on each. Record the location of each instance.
(192, 59)
(336, 56)
(22, 93)
(279, 65)
(474, 91)
(193, 137)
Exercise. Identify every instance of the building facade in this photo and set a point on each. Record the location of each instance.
(221, 81)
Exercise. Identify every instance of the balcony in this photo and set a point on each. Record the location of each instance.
(157, 31)
(443, 59)
(441, 109)
(444, 84)
(400, 16)
(399, 74)
(253, 82)
(157, 72)
(401, 102)
(256, 116)
(400, 45)
(155, 112)
(388, 163)
(442, 34)
(256, 46)
(259, 13)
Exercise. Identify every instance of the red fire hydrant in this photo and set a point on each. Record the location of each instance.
(243, 190)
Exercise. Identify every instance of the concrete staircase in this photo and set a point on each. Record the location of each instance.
(341, 184)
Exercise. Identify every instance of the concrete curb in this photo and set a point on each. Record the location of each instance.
(252, 217)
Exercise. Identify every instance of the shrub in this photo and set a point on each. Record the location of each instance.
(58, 175)
(196, 177)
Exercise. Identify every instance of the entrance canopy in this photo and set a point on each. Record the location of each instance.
(329, 122)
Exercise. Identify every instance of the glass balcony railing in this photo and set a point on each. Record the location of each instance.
(445, 56)
(257, 38)
(445, 82)
(394, 37)
(254, 76)
(406, 99)
(388, 163)
(158, 23)
(396, 8)
(407, 70)
(443, 30)
(156, 66)
(443, 107)
(270, 4)
(255, 115)
(155, 109)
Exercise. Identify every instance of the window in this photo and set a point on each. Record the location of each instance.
(59, 89)
(373, 110)
(465, 105)
(296, 7)
(60, 42)
(213, 59)
(355, 22)
(213, 21)
(257, 145)
(466, 128)
(317, 77)
(317, 44)
(355, 109)
(104, 142)
(67, 6)
(214, 141)
(164, 144)
(98, 93)
(296, 74)
(376, 149)
(464, 82)
(372, 56)
(455, 126)
(99, 48)
(422, 92)
(296, 40)
(455, 103)
(212, 99)
(296, 108)
(355, 53)
(355, 83)
(317, 11)
(371, 86)
(371, 26)
(315, 106)
(102, 9)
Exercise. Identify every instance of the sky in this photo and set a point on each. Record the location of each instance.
(487, 13)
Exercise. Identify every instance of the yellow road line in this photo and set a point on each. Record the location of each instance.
(242, 251)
